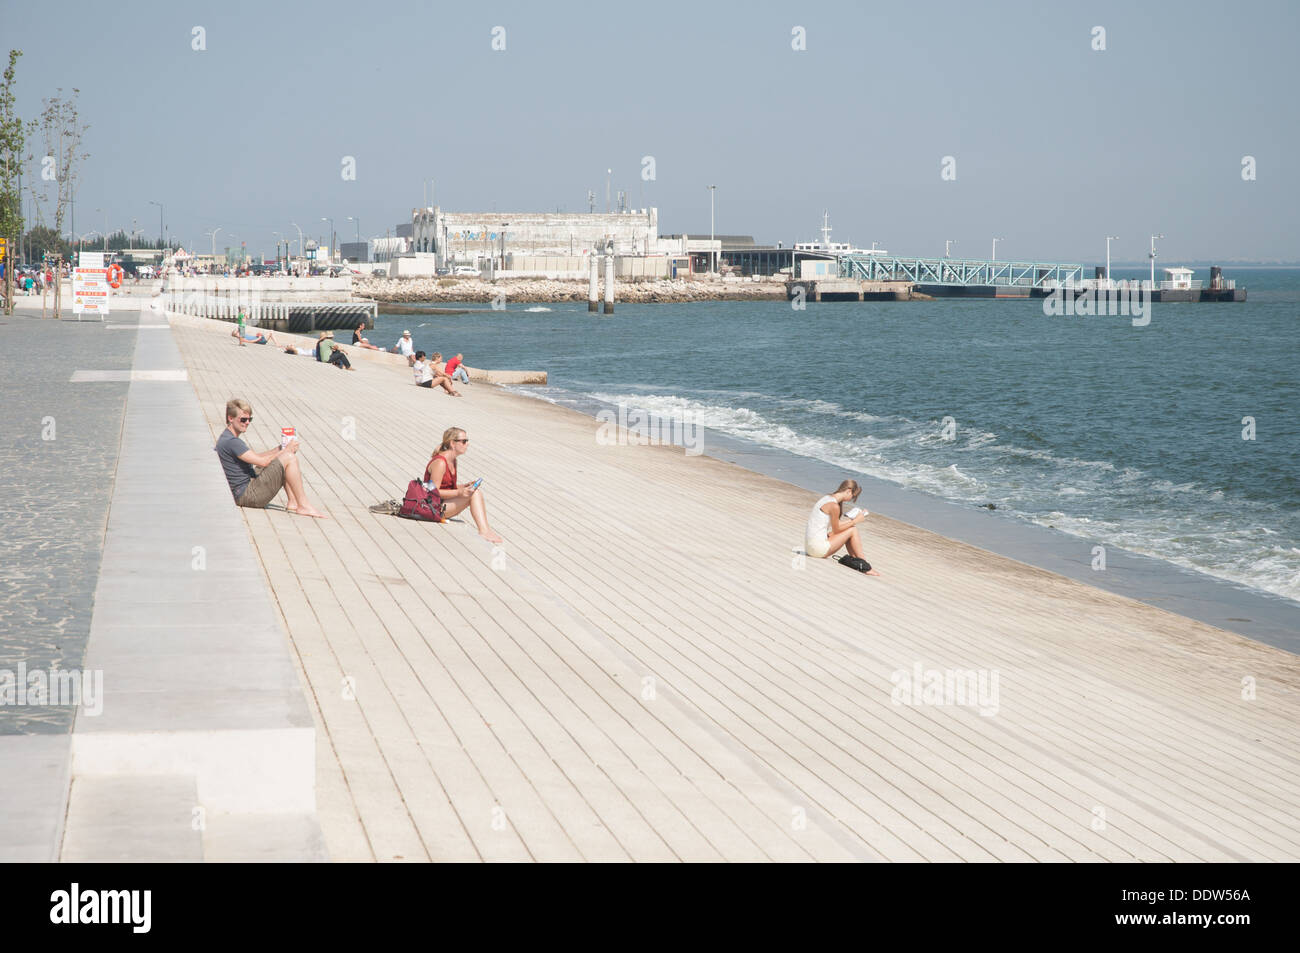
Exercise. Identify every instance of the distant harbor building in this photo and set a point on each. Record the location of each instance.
(387, 248)
(355, 251)
(469, 237)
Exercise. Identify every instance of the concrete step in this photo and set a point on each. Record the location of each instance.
(133, 818)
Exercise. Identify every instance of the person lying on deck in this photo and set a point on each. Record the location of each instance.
(441, 470)
(828, 531)
(253, 336)
(304, 351)
(279, 466)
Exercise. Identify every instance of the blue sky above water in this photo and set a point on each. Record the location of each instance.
(1056, 144)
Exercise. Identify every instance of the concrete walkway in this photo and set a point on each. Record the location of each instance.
(644, 671)
(53, 538)
(200, 746)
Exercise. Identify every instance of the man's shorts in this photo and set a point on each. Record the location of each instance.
(263, 489)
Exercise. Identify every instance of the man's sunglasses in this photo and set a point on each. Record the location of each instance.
(245, 420)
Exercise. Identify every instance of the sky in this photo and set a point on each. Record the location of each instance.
(1054, 144)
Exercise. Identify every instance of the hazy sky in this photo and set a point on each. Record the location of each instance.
(1055, 145)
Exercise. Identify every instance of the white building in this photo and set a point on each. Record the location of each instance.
(470, 237)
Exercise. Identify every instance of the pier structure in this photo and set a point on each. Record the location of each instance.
(298, 305)
(957, 276)
(850, 289)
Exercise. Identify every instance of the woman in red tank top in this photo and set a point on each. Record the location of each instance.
(457, 496)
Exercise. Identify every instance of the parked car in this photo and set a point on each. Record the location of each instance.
(469, 270)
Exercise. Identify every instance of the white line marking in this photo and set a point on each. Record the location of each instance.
(83, 377)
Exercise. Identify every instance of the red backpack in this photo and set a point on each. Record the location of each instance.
(421, 504)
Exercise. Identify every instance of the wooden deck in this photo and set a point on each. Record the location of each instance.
(644, 671)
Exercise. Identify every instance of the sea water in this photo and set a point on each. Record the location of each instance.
(1179, 439)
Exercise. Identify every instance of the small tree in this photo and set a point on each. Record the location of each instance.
(11, 155)
(41, 240)
(61, 126)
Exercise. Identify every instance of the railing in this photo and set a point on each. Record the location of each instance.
(226, 307)
(296, 316)
(960, 271)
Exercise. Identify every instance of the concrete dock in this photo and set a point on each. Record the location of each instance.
(647, 670)
(850, 289)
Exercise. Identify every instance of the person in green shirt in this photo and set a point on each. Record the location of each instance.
(242, 320)
(331, 353)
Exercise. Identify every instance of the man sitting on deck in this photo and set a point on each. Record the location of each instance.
(405, 347)
(456, 369)
(279, 466)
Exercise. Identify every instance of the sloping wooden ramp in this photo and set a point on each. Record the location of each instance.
(645, 671)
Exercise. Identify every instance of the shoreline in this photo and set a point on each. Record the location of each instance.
(1248, 611)
(544, 290)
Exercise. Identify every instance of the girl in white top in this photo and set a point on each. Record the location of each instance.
(828, 531)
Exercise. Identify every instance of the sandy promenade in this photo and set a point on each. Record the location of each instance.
(646, 671)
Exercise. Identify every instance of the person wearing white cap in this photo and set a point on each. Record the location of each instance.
(405, 347)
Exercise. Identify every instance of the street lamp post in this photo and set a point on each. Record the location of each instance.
(299, 227)
(995, 248)
(947, 244)
(356, 220)
(161, 246)
(1109, 239)
(1153, 260)
(332, 240)
(213, 233)
(713, 255)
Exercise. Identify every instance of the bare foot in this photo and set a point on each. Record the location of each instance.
(309, 511)
(872, 572)
(492, 537)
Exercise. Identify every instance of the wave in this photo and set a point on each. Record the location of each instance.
(1085, 498)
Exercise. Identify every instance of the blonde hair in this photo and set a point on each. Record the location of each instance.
(448, 435)
(849, 485)
(437, 355)
(235, 406)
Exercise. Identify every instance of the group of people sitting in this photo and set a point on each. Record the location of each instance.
(429, 371)
(256, 479)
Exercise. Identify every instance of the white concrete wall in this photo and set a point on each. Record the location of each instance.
(264, 289)
(417, 265)
(537, 234)
(628, 267)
